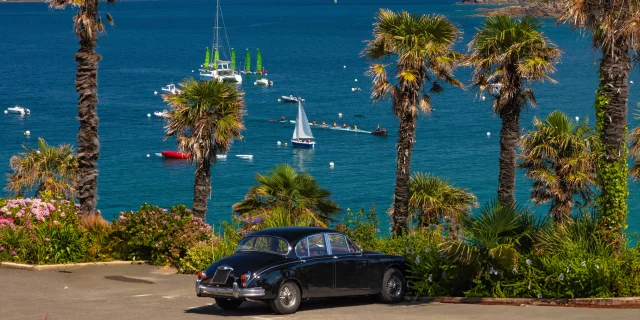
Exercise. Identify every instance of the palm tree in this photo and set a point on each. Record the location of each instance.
(299, 194)
(558, 155)
(88, 25)
(634, 138)
(425, 58)
(493, 240)
(614, 25)
(204, 118)
(47, 168)
(431, 198)
(508, 55)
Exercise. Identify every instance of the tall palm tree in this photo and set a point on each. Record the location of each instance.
(508, 55)
(614, 25)
(558, 155)
(422, 46)
(204, 118)
(88, 24)
(46, 168)
(299, 194)
(431, 198)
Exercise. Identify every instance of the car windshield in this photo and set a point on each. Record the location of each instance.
(264, 244)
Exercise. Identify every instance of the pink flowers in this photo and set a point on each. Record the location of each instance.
(13, 253)
(2, 249)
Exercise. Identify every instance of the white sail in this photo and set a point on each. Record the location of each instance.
(302, 130)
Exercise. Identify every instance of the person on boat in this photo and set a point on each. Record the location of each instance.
(324, 124)
(344, 125)
(335, 125)
(355, 127)
(282, 119)
(378, 128)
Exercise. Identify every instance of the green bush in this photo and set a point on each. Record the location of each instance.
(203, 255)
(160, 236)
(361, 227)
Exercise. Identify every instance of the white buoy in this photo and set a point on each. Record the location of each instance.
(148, 115)
(356, 80)
(340, 115)
(344, 67)
(279, 143)
(279, 100)
(331, 164)
(27, 133)
(483, 97)
(155, 92)
(631, 81)
(6, 112)
(488, 134)
(148, 155)
(577, 118)
(191, 71)
(353, 89)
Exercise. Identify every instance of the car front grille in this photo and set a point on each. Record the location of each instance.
(220, 277)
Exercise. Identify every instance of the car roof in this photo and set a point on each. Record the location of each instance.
(291, 234)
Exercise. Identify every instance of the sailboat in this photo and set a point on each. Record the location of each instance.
(302, 136)
(259, 67)
(247, 63)
(214, 68)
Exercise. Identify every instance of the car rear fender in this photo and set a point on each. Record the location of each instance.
(277, 277)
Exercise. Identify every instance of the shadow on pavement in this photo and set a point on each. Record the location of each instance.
(257, 308)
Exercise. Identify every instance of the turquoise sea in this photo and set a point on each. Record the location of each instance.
(305, 46)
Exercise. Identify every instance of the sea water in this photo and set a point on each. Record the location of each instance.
(305, 45)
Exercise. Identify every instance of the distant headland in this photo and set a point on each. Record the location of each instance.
(516, 8)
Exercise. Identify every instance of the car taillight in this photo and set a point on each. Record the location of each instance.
(245, 278)
(200, 275)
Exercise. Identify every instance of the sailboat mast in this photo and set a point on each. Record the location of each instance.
(216, 33)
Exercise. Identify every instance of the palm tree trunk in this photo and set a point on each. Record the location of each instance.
(406, 135)
(509, 138)
(611, 125)
(201, 188)
(86, 85)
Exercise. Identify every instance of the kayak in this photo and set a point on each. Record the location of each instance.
(174, 154)
(379, 132)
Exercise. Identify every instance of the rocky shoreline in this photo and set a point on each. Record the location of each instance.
(515, 8)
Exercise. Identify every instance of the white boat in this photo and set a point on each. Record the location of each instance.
(291, 98)
(245, 156)
(302, 136)
(221, 156)
(161, 114)
(171, 88)
(214, 68)
(263, 82)
(17, 110)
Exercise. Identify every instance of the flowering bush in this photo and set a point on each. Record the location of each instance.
(202, 255)
(158, 235)
(40, 231)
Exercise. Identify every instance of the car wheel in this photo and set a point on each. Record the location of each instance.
(228, 304)
(288, 299)
(393, 286)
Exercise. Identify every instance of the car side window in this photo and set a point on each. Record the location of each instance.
(338, 244)
(317, 247)
(353, 248)
(302, 248)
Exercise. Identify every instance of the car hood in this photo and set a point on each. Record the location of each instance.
(243, 262)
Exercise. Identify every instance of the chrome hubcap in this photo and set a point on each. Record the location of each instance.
(394, 286)
(288, 296)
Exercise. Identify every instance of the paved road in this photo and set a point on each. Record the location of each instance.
(146, 292)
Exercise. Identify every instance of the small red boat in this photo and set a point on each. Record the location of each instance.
(379, 132)
(174, 154)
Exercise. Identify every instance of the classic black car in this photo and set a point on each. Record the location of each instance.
(282, 266)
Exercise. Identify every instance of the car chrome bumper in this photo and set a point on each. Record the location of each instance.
(204, 290)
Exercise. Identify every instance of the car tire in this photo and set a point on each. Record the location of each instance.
(228, 304)
(394, 286)
(288, 299)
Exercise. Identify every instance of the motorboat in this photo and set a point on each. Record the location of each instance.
(379, 132)
(302, 136)
(171, 88)
(17, 110)
(291, 98)
(263, 82)
(161, 114)
(174, 154)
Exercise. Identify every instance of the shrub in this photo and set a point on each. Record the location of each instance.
(203, 255)
(159, 236)
(361, 227)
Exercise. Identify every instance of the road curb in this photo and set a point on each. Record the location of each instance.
(53, 267)
(618, 303)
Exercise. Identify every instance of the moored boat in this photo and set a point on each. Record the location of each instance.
(171, 88)
(161, 114)
(302, 136)
(175, 154)
(263, 82)
(379, 132)
(17, 110)
(214, 68)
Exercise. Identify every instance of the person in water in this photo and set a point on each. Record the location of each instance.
(314, 122)
(334, 125)
(344, 125)
(324, 124)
